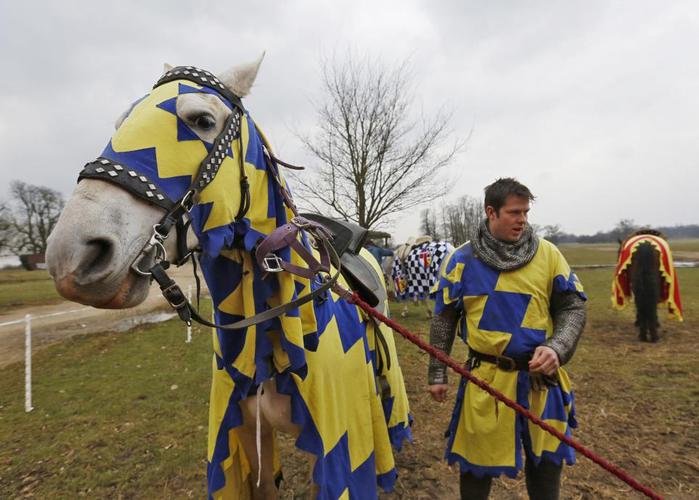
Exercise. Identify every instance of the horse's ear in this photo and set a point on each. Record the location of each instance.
(239, 79)
(166, 67)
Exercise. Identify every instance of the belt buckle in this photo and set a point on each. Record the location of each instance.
(505, 363)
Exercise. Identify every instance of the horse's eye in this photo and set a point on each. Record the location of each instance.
(205, 122)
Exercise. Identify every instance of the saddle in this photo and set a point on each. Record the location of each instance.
(347, 240)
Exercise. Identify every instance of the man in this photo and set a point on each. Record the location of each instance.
(378, 252)
(522, 311)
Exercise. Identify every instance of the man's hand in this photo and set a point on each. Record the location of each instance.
(545, 360)
(439, 392)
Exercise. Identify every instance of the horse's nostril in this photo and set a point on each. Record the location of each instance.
(98, 256)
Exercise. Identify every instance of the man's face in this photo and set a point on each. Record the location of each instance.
(508, 224)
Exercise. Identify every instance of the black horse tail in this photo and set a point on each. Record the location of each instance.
(645, 284)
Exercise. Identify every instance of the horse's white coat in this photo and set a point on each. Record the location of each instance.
(103, 228)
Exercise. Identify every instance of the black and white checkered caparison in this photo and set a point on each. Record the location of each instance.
(420, 269)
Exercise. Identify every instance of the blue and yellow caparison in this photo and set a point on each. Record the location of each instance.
(312, 351)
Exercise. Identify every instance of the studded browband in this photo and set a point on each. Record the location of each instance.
(142, 187)
(203, 78)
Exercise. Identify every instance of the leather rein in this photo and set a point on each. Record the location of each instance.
(177, 216)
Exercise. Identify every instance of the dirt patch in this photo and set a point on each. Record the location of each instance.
(56, 322)
(685, 256)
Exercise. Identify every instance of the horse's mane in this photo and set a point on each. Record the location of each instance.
(646, 230)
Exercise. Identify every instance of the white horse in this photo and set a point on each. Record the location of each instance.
(415, 270)
(317, 371)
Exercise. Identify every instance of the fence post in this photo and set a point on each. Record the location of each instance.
(28, 363)
(189, 326)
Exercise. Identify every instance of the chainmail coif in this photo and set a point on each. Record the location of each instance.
(501, 255)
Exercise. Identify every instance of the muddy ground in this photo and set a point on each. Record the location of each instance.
(633, 422)
(637, 406)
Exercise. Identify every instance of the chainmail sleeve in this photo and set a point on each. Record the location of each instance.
(569, 317)
(442, 333)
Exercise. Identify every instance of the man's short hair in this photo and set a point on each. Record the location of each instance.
(496, 193)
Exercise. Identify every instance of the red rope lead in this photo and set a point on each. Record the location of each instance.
(441, 356)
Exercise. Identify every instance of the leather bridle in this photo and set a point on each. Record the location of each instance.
(176, 215)
(176, 211)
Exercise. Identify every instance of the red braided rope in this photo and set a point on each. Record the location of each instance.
(441, 356)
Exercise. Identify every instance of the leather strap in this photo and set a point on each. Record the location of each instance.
(503, 362)
(178, 301)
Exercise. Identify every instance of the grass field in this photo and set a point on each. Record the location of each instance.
(20, 288)
(125, 415)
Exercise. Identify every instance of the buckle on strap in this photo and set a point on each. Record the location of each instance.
(506, 363)
(271, 263)
(300, 222)
(174, 296)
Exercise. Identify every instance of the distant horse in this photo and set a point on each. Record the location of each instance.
(645, 271)
(416, 269)
(293, 355)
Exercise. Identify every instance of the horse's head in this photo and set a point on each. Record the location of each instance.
(180, 145)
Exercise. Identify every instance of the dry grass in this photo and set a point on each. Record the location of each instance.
(20, 288)
(108, 423)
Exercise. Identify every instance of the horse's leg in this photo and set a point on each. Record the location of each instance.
(643, 333)
(276, 409)
(641, 323)
(654, 325)
(267, 490)
(654, 334)
(314, 490)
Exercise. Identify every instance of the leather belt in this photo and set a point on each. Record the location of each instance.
(503, 362)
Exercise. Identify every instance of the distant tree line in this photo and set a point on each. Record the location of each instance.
(623, 228)
(458, 222)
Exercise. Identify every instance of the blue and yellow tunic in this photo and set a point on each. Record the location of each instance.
(506, 313)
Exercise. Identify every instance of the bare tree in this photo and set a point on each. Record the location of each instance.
(553, 233)
(428, 223)
(4, 228)
(33, 212)
(460, 220)
(375, 158)
(624, 228)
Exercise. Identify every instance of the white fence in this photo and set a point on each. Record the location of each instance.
(27, 320)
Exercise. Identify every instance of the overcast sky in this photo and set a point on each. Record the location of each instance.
(593, 104)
